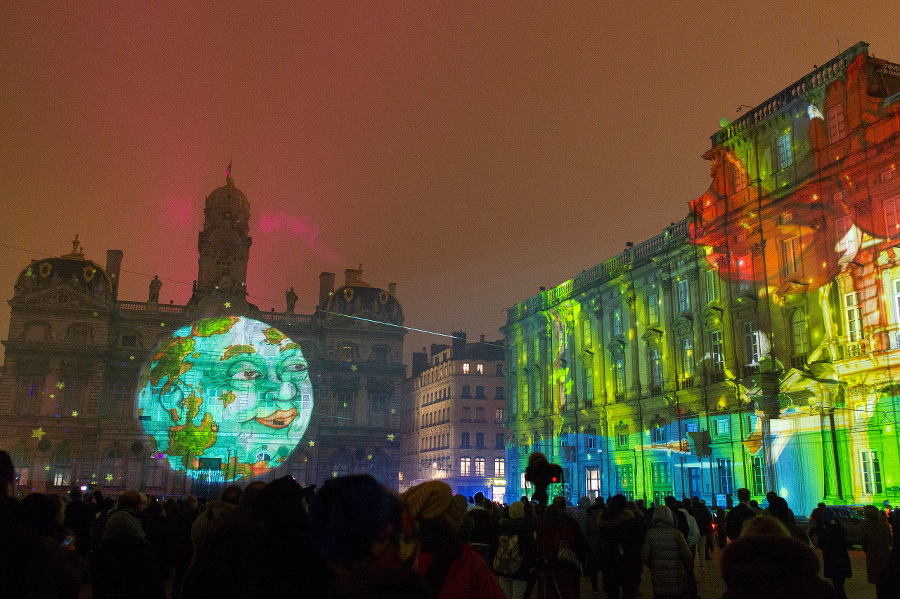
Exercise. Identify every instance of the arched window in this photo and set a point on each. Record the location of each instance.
(61, 467)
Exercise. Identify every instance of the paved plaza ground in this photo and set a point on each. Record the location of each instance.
(711, 586)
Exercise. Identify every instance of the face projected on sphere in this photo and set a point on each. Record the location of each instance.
(227, 394)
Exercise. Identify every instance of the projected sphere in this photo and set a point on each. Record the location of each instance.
(228, 395)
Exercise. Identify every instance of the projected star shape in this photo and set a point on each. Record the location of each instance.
(38, 433)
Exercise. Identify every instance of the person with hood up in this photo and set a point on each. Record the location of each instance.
(666, 553)
(620, 549)
(765, 561)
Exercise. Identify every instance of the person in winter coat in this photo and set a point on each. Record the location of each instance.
(666, 553)
(833, 541)
(771, 565)
(520, 535)
(620, 549)
(592, 565)
(875, 538)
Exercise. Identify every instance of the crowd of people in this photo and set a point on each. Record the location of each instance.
(354, 538)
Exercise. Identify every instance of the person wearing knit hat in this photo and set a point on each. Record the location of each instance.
(517, 510)
(451, 568)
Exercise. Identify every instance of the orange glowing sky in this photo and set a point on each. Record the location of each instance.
(469, 152)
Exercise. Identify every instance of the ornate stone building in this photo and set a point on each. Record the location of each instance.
(453, 418)
(75, 354)
(754, 344)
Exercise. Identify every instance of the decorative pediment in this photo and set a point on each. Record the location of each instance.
(789, 288)
(744, 302)
(684, 324)
(712, 316)
(653, 338)
(616, 348)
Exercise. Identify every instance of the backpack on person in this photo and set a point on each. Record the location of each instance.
(508, 559)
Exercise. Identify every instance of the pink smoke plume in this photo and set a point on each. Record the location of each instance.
(298, 226)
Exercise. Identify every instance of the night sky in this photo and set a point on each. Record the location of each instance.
(470, 152)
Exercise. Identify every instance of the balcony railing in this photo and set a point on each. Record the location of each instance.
(715, 377)
(799, 361)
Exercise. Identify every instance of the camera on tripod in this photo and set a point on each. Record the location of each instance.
(541, 473)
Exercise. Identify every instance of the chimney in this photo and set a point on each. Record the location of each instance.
(351, 276)
(459, 345)
(326, 289)
(113, 268)
(392, 289)
(482, 339)
(419, 362)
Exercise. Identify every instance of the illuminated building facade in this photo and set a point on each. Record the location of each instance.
(453, 418)
(754, 344)
(99, 390)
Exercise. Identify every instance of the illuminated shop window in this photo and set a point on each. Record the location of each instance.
(892, 217)
(61, 467)
(592, 481)
(687, 357)
(617, 322)
(799, 332)
(790, 256)
(684, 296)
(783, 147)
(499, 467)
(758, 466)
(479, 466)
(479, 368)
(854, 316)
(717, 358)
(846, 235)
(465, 368)
(653, 308)
(836, 128)
(726, 477)
(751, 342)
(871, 472)
(465, 466)
(738, 177)
(586, 333)
(712, 286)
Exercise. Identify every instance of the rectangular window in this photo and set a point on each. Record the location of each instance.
(498, 393)
(799, 332)
(513, 359)
(466, 414)
(661, 474)
(537, 349)
(465, 466)
(658, 435)
(479, 368)
(745, 273)
(790, 256)
(500, 369)
(846, 235)
(499, 467)
(479, 440)
(687, 358)
(854, 317)
(624, 476)
(586, 333)
(684, 296)
(836, 128)
(751, 342)
(783, 147)
(619, 375)
(758, 466)
(129, 340)
(726, 480)
(466, 392)
(892, 217)
(464, 441)
(653, 308)
(622, 438)
(479, 466)
(592, 481)
(28, 397)
(498, 416)
(499, 441)
(717, 358)
(589, 383)
(479, 415)
(712, 286)
(479, 392)
(591, 442)
(871, 472)
(655, 364)
(739, 177)
(465, 368)
(723, 426)
(617, 325)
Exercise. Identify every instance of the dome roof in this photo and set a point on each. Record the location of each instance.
(367, 302)
(73, 269)
(226, 195)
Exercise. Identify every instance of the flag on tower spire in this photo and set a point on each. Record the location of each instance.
(228, 179)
